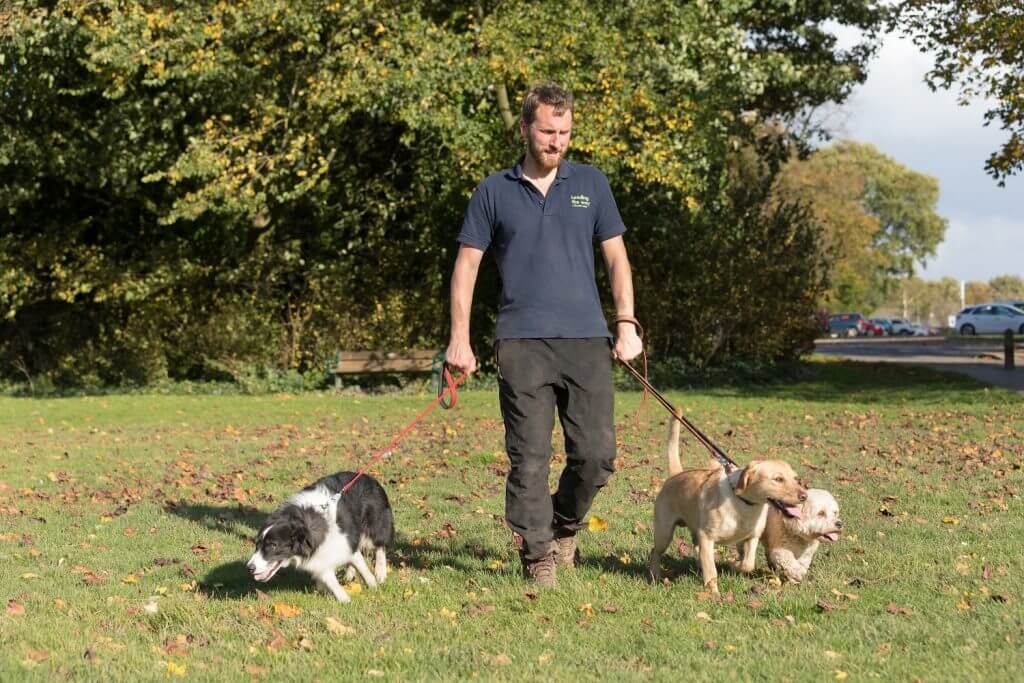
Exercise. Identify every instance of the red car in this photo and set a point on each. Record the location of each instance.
(873, 329)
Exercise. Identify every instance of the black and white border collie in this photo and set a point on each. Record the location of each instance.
(321, 529)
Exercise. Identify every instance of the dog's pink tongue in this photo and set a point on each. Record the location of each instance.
(794, 511)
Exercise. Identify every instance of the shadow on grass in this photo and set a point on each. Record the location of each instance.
(672, 566)
(871, 383)
(675, 568)
(240, 521)
(231, 580)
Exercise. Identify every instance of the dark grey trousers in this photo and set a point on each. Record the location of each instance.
(538, 377)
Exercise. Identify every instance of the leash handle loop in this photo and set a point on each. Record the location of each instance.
(633, 321)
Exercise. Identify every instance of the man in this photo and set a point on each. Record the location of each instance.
(540, 219)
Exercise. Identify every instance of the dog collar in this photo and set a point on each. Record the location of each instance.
(739, 496)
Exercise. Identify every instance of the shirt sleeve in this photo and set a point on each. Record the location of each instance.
(608, 223)
(478, 225)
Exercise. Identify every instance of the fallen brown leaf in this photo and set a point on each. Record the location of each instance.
(826, 606)
(476, 610)
(893, 608)
(338, 628)
(276, 642)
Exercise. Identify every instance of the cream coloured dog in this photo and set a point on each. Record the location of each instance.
(720, 508)
(790, 542)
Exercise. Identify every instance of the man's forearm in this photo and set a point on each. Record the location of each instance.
(462, 302)
(621, 277)
(463, 284)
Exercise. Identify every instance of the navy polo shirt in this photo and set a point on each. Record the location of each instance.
(544, 248)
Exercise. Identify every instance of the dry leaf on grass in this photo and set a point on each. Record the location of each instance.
(174, 669)
(893, 608)
(276, 642)
(286, 611)
(338, 628)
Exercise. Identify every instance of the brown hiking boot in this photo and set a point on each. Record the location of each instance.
(540, 571)
(566, 552)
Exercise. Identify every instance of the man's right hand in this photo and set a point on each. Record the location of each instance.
(460, 356)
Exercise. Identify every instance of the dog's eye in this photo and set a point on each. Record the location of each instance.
(821, 514)
(779, 479)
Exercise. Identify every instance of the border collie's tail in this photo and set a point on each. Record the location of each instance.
(674, 466)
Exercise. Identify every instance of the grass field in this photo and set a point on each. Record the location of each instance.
(125, 522)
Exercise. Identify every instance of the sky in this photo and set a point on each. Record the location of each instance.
(928, 132)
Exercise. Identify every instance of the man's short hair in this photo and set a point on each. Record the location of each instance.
(549, 93)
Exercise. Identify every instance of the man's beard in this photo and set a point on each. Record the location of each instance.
(542, 157)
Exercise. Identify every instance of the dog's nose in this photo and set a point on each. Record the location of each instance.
(802, 497)
(839, 524)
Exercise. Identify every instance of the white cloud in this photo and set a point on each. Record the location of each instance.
(929, 132)
(979, 250)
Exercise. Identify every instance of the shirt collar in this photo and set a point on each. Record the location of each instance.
(564, 169)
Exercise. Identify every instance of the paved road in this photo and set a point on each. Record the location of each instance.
(982, 359)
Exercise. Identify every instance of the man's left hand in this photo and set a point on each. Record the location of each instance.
(628, 344)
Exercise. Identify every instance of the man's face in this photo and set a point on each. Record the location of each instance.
(547, 138)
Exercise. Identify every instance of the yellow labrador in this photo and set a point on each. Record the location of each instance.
(720, 508)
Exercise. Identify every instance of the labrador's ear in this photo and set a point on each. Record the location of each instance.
(749, 472)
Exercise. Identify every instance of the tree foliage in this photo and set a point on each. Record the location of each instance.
(186, 188)
(934, 301)
(878, 218)
(978, 47)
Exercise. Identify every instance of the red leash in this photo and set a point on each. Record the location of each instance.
(440, 400)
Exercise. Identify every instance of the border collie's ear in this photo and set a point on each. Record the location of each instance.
(301, 541)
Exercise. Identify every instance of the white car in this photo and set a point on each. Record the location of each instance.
(900, 326)
(990, 319)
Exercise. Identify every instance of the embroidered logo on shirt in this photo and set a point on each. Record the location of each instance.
(579, 201)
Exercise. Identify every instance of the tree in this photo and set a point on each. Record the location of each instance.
(190, 187)
(1007, 287)
(877, 216)
(979, 47)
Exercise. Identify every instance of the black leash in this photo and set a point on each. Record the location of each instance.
(716, 452)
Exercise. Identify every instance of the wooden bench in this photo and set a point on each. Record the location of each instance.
(372, 362)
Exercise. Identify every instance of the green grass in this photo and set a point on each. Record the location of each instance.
(125, 522)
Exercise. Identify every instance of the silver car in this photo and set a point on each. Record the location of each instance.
(990, 319)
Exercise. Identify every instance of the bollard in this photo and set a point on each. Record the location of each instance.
(1008, 349)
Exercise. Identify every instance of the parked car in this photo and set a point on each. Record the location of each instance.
(901, 326)
(883, 323)
(990, 319)
(873, 329)
(846, 325)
